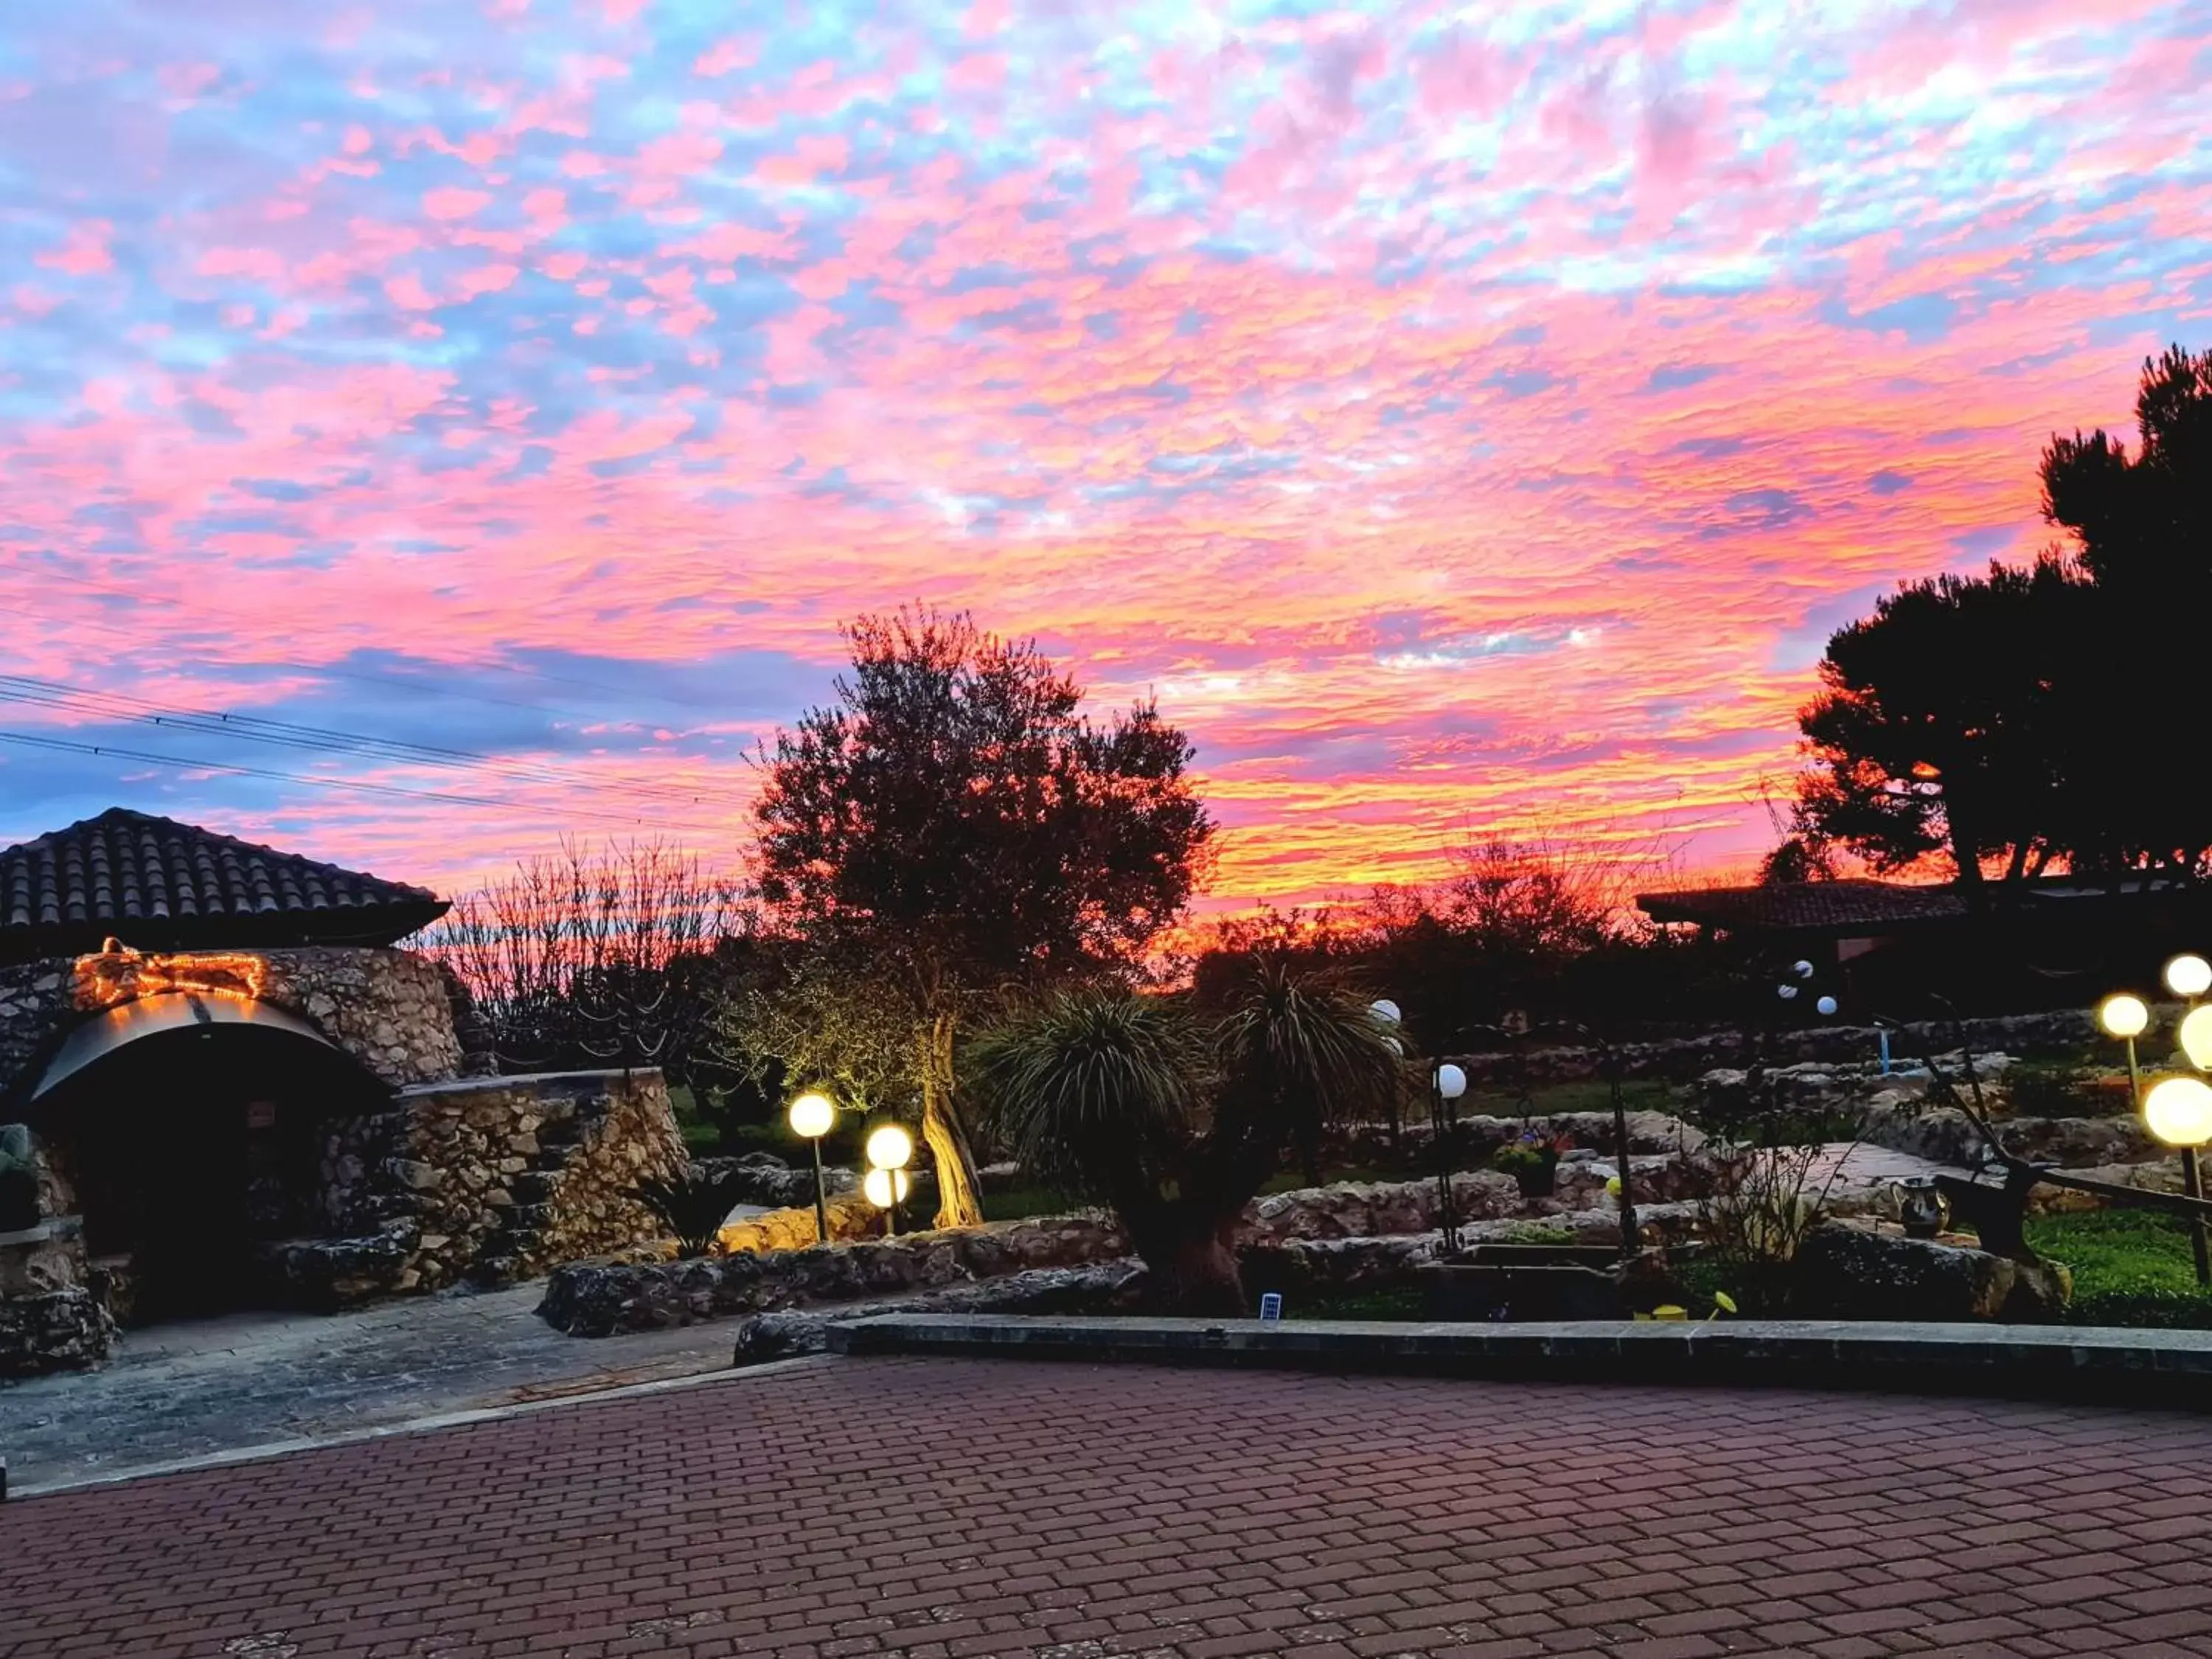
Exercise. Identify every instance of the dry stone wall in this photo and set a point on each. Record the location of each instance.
(35, 1009)
(491, 1179)
(1681, 1059)
(597, 1298)
(391, 1010)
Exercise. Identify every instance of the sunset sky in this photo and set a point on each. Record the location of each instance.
(1464, 418)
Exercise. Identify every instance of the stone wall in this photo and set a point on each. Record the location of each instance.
(68, 1329)
(391, 1010)
(597, 1298)
(491, 1179)
(1681, 1059)
(35, 1009)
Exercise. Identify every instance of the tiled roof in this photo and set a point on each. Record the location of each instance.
(1807, 906)
(158, 884)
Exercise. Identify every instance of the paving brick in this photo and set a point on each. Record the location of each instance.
(942, 1510)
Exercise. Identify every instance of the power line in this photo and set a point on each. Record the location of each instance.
(184, 763)
(137, 637)
(16, 688)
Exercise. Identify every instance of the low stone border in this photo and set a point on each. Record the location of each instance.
(2117, 1367)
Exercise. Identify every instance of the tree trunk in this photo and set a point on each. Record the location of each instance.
(957, 1203)
(1190, 1260)
(1201, 1278)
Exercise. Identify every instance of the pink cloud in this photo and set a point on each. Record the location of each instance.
(449, 203)
(407, 291)
(83, 252)
(739, 52)
(485, 279)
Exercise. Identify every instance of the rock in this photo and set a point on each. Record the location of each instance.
(782, 1335)
(45, 1257)
(68, 1329)
(1844, 1272)
(598, 1299)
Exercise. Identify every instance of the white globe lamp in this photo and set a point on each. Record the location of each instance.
(2178, 1110)
(2189, 977)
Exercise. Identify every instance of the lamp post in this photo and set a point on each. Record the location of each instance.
(2184, 1114)
(811, 1115)
(1387, 1016)
(2177, 1110)
(889, 1150)
(1447, 1083)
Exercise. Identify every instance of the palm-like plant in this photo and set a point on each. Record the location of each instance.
(692, 1207)
(1130, 1100)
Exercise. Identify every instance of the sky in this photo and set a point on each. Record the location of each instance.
(477, 418)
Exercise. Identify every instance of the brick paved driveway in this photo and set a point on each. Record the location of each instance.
(931, 1508)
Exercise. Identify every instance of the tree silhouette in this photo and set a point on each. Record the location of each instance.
(1940, 727)
(2027, 718)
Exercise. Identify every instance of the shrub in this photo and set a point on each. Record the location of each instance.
(1763, 1186)
(2051, 1088)
(693, 1206)
(2143, 1310)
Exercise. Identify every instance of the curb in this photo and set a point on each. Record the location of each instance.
(2102, 1365)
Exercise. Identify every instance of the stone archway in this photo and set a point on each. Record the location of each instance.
(189, 1126)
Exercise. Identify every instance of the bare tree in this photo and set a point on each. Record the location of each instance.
(593, 957)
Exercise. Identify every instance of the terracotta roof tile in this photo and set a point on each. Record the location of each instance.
(158, 885)
(1824, 906)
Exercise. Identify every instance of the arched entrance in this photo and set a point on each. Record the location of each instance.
(190, 1126)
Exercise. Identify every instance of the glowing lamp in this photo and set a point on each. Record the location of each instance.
(1804, 969)
(1385, 1010)
(2123, 1015)
(2189, 977)
(1827, 1004)
(2197, 1038)
(812, 1115)
(2179, 1111)
(889, 1148)
(1451, 1081)
(1787, 993)
(884, 1188)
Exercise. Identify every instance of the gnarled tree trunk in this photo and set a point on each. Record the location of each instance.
(958, 1201)
(1190, 1260)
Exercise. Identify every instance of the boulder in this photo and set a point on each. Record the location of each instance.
(1359, 1209)
(1844, 1272)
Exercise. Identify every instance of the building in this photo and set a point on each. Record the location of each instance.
(235, 1088)
(2013, 947)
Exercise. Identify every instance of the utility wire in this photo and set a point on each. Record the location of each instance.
(16, 688)
(137, 637)
(184, 763)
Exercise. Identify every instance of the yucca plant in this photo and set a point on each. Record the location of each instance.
(1174, 1122)
(693, 1206)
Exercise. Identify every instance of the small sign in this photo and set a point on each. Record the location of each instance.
(1271, 1308)
(261, 1115)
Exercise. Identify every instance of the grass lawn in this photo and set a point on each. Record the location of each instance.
(1020, 1203)
(2130, 1267)
(1553, 1099)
